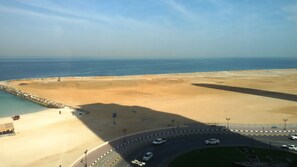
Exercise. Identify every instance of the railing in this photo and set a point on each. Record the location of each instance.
(282, 126)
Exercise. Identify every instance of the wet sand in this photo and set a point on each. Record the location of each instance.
(48, 138)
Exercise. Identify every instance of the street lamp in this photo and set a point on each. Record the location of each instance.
(285, 120)
(124, 130)
(86, 158)
(172, 124)
(228, 119)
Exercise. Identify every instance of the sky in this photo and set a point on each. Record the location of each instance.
(148, 28)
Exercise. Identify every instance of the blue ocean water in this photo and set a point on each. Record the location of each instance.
(12, 105)
(37, 68)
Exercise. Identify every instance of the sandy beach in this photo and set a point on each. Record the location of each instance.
(49, 139)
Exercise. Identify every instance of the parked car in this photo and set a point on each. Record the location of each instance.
(293, 136)
(16, 117)
(138, 163)
(147, 156)
(212, 141)
(158, 141)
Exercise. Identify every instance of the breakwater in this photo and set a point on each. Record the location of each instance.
(41, 101)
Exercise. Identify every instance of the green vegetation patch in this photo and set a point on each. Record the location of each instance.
(225, 156)
(268, 155)
(217, 156)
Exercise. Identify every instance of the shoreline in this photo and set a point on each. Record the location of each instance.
(143, 75)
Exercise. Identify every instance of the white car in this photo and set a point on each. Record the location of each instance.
(289, 147)
(212, 141)
(158, 141)
(139, 163)
(147, 156)
(293, 137)
(284, 146)
(292, 147)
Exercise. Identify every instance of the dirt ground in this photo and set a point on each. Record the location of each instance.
(48, 138)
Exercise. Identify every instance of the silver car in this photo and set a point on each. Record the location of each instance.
(147, 156)
(212, 141)
(158, 141)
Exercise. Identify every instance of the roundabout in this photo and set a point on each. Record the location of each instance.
(118, 153)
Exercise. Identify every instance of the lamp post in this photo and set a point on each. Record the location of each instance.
(172, 124)
(228, 119)
(86, 158)
(285, 120)
(124, 130)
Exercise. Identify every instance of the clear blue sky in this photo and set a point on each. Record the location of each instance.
(148, 28)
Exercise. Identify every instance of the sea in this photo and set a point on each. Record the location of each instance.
(13, 68)
(11, 105)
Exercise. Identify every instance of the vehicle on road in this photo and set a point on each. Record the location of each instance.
(284, 146)
(290, 147)
(293, 136)
(212, 141)
(159, 141)
(138, 163)
(147, 156)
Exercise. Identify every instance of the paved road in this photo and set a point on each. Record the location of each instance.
(180, 142)
(163, 154)
(120, 153)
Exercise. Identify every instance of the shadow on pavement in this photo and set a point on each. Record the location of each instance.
(113, 121)
(108, 121)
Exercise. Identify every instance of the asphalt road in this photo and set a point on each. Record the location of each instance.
(174, 147)
(120, 153)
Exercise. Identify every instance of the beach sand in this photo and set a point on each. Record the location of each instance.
(48, 138)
